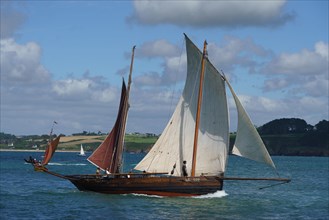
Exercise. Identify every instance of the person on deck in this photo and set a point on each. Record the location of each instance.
(98, 171)
(184, 171)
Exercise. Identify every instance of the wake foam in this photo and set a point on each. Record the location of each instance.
(218, 194)
(145, 195)
(67, 164)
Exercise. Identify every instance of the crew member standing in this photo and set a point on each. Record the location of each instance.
(184, 171)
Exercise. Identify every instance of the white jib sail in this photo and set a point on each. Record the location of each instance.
(176, 142)
(248, 143)
(82, 152)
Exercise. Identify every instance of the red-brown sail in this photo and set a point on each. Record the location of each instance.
(108, 154)
(51, 148)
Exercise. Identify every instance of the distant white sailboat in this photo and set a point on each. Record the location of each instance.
(82, 152)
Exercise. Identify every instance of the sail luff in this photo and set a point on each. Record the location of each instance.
(197, 120)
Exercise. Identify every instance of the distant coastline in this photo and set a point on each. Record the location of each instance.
(282, 137)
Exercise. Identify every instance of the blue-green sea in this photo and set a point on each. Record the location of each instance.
(26, 194)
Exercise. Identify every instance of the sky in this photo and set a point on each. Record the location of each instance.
(64, 61)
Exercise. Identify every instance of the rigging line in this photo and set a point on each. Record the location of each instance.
(276, 172)
(182, 47)
(264, 187)
(172, 97)
(176, 78)
(51, 131)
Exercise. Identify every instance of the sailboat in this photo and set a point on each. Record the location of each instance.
(49, 152)
(191, 155)
(82, 152)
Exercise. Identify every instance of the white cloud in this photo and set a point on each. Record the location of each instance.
(211, 13)
(106, 95)
(21, 63)
(304, 62)
(318, 86)
(72, 86)
(235, 52)
(304, 72)
(75, 103)
(147, 79)
(263, 109)
(276, 84)
(84, 89)
(321, 48)
(259, 104)
(174, 70)
(158, 48)
(173, 64)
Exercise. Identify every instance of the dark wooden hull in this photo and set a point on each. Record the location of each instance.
(150, 185)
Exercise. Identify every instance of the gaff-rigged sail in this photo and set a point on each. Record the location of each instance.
(50, 150)
(248, 143)
(176, 141)
(108, 154)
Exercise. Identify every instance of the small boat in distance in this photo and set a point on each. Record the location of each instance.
(82, 152)
(191, 155)
(49, 152)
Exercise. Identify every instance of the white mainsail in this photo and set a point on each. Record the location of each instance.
(82, 152)
(248, 143)
(176, 142)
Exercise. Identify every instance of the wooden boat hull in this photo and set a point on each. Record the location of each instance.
(150, 185)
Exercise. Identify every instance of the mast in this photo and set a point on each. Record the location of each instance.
(131, 70)
(51, 132)
(125, 115)
(197, 120)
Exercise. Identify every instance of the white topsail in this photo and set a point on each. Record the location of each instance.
(176, 142)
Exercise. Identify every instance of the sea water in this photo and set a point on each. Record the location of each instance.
(26, 194)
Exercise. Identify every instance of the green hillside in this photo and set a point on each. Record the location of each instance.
(291, 137)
